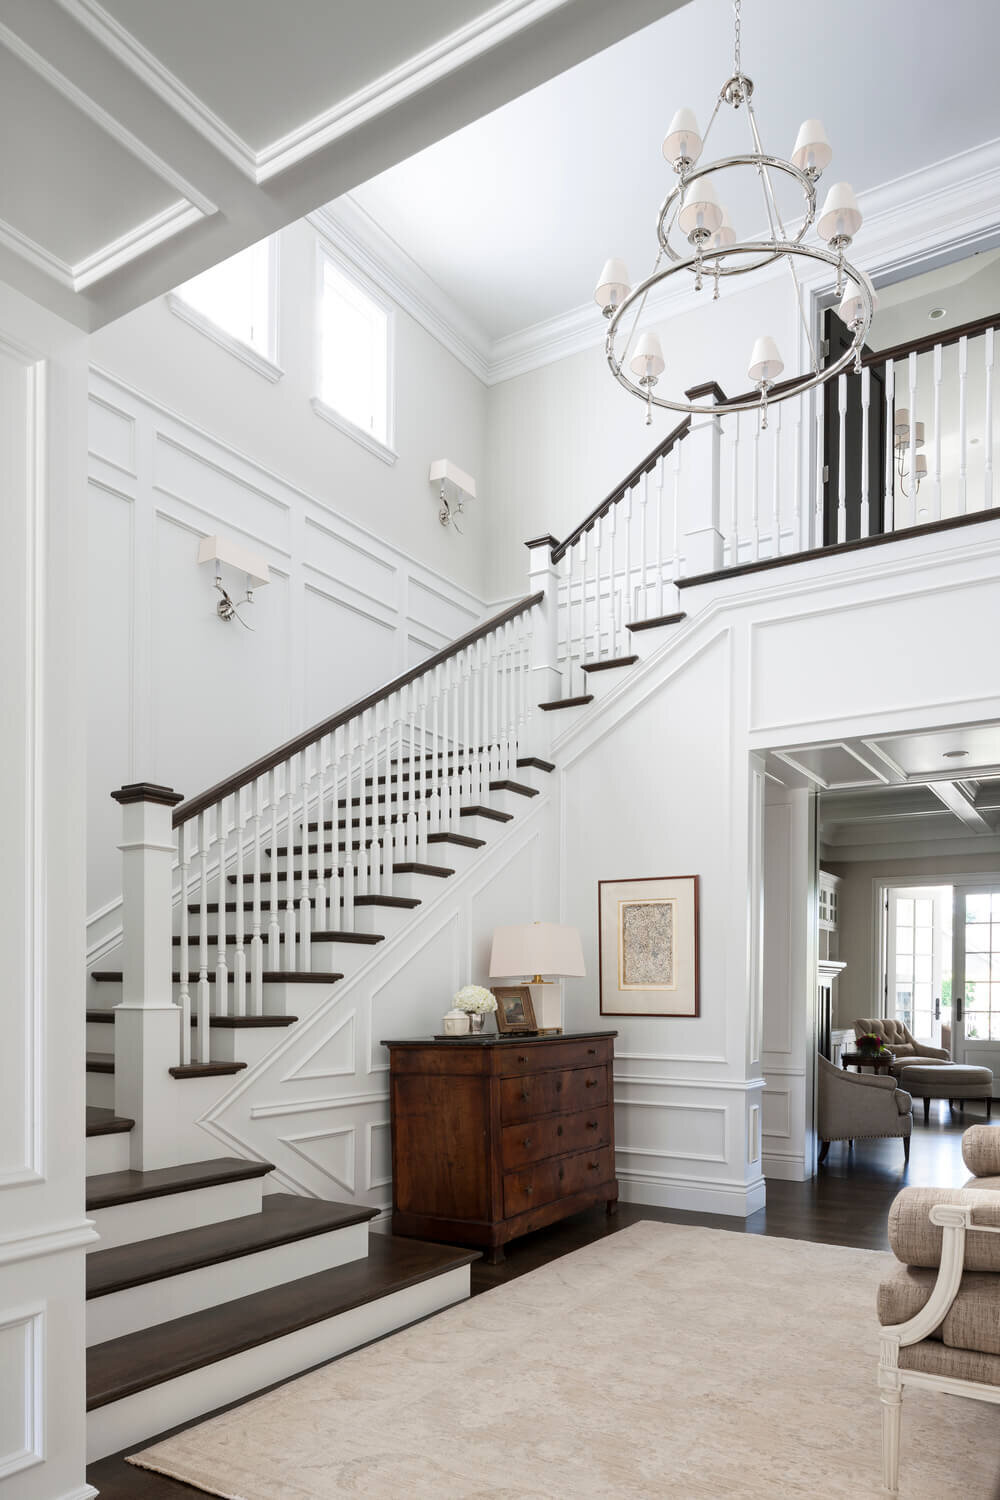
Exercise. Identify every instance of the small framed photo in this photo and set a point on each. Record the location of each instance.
(515, 1011)
(648, 933)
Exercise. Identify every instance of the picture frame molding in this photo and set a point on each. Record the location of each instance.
(646, 1015)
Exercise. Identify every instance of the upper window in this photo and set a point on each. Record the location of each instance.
(236, 297)
(354, 368)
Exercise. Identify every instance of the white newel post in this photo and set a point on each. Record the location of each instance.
(703, 539)
(147, 1022)
(545, 679)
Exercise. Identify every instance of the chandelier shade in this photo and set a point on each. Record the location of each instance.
(692, 209)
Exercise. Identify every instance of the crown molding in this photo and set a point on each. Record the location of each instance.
(418, 73)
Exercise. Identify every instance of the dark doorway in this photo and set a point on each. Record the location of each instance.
(838, 338)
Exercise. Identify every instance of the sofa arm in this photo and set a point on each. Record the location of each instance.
(981, 1150)
(904, 1103)
(924, 1049)
(916, 1241)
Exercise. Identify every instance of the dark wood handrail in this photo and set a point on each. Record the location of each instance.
(931, 340)
(195, 805)
(644, 466)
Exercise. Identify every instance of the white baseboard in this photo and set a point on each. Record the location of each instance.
(784, 1167)
(738, 1199)
(85, 1492)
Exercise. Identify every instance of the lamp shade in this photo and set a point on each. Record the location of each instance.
(613, 284)
(920, 465)
(647, 362)
(682, 141)
(700, 209)
(536, 948)
(766, 364)
(812, 151)
(852, 308)
(724, 236)
(841, 216)
(901, 422)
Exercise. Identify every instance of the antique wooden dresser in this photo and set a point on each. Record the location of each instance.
(495, 1136)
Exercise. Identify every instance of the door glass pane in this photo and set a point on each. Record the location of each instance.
(924, 912)
(977, 938)
(977, 908)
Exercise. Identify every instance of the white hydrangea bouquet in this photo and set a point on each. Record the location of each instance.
(477, 1004)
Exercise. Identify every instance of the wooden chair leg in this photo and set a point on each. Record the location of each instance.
(824, 1150)
(891, 1412)
(927, 1111)
(989, 1108)
(906, 1149)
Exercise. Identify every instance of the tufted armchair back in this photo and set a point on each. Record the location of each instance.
(893, 1033)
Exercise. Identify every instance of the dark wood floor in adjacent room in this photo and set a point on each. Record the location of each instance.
(847, 1203)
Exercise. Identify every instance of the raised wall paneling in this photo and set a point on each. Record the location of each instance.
(333, 1151)
(435, 609)
(776, 1112)
(334, 1055)
(678, 1130)
(412, 998)
(206, 483)
(344, 645)
(379, 1154)
(112, 436)
(21, 1385)
(356, 567)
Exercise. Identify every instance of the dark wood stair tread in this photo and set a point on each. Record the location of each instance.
(493, 813)
(106, 1122)
(100, 1062)
(206, 1070)
(138, 1361)
(462, 840)
(403, 867)
(284, 1218)
(533, 760)
(234, 1023)
(611, 661)
(576, 702)
(414, 867)
(212, 939)
(506, 785)
(404, 903)
(108, 1189)
(270, 976)
(674, 619)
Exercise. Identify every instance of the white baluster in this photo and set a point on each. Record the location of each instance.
(204, 988)
(642, 613)
(305, 904)
(675, 546)
(256, 935)
(435, 772)
(221, 966)
(184, 964)
(938, 495)
(239, 953)
(819, 537)
(288, 886)
(988, 433)
(323, 861)
(755, 494)
(890, 452)
(963, 425)
(583, 547)
(842, 458)
(629, 606)
(801, 540)
(912, 457)
(866, 389)
(273, 927)
(337, 859)
(596, 636)
(660, 559)
(776, 481)
(734, 545)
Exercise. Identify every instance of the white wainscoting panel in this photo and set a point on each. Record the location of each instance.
(22, 1345)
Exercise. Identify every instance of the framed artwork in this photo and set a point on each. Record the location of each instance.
(648, 946)
(515, 1011)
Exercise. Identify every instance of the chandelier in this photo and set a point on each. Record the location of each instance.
(713, 251)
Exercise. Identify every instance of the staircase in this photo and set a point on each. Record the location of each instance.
(210, 1280)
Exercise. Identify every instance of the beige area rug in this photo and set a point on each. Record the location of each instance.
(661, 1361)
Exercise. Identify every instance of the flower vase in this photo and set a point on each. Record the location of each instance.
(476, 1019)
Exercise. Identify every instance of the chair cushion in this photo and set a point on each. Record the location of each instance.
(915, 1241)
(960, 1364)
(981, 1150)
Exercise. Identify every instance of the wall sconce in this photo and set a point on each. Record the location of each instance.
(223, 552)
(454, 488)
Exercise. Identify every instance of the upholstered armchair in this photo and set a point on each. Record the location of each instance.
(863, 1106)
(901, 1042)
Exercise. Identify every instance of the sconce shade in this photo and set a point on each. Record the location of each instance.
(682, 140)
(613, 284)
(766, 364)
(700, 209)
(724, 236)
(920, 467)
(841, 216)
(444, 472)
(647, 361)
(901, 430)
(852, 308)
(812, 149)
(536, 948)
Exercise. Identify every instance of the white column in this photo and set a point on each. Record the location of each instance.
(703, 540)
(147, 1022)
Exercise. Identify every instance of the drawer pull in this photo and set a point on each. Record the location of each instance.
(592, 1166)
(591, 1051)
(592, 1124)
(559, 1086)
(562, 1173)
(559, 1130)
(522, 1058)
(524, 1093)
(528, 1188)
(591, 1083)
(526, 1142)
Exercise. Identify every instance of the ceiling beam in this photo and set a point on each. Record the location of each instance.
(957, 801)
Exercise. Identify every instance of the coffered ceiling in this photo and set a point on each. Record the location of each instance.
(147, 139)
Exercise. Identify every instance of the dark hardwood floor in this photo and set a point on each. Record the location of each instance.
(847, 1203)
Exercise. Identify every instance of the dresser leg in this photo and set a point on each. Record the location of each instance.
(611, 1207)
(494, 1255)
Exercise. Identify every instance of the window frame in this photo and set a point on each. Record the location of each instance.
(384, 450)
(265, 364)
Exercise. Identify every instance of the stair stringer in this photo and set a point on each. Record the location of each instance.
(324, 1132)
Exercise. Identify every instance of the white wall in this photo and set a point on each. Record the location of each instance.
(43, 1229)
(188, 441)
(562, 437)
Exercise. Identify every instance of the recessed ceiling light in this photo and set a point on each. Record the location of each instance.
(937, 312)
(954, 754)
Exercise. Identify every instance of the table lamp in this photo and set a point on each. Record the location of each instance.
(542, 953)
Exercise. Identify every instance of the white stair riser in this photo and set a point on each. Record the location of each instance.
(101, 1034)
(248, 1044)
(484, 828)
(127, 1222)
(138, 1417)
(138, 1307)
(107, 1153)
(101, 1088)
(603, 683)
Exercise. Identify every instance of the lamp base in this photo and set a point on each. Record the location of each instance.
(549, 1031)
(546, 1001)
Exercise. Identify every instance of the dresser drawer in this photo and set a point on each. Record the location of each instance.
(551, 1093)
(555, 1179)
(556, 1136)
(519, 1060)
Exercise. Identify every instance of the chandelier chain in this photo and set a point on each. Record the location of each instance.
(738, 69)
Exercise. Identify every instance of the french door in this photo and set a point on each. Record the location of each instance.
(915, 958)
(977, 975)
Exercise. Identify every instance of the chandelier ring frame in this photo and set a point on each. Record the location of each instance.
(751, 403)
(750, 159)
